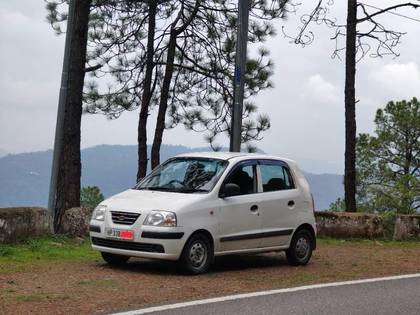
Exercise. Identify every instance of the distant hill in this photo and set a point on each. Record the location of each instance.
(2, 153)
(326, 188)
(24, 178)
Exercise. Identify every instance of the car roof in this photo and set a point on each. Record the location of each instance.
(237, 156)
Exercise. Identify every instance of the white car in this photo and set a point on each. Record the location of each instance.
(197, 206)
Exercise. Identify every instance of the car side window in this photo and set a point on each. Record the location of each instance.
(244, 177)
(275, 177)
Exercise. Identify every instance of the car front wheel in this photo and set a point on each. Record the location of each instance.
(114, 259)
(197, 254)
(300, 250)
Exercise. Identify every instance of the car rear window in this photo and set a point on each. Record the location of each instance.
(275, 177)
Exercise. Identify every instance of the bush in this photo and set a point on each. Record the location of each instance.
(389, 218)
(90, 196)
(337, 206)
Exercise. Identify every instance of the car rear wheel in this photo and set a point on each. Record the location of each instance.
(114, 259)
(197, 255)
(300, 250)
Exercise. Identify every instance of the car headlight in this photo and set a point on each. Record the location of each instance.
(160, 218)
(99, 213)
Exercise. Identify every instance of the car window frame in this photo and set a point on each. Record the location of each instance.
(278, 163)
(248, 162)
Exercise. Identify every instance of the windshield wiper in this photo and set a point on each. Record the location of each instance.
(181, 190)
(192, 190)
(158, 188)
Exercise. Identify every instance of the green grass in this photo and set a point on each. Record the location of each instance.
(98, 283)
(15, 257)
(40, 297)
(362, 242)
(47, 249)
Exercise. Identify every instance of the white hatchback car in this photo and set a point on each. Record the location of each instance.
(197, 206)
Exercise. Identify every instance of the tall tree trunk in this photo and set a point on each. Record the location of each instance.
(350, 108)
(163, 103)
(69, 171)
(406, 201)
(147, 94)
(169, 70)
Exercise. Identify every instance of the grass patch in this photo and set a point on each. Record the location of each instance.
(367, 242)
(40, 297)
(101, 283)
(15, 257)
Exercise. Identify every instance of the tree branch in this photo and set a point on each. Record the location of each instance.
(93, 68)
(370, 16)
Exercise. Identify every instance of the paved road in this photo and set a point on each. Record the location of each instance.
(401, 296)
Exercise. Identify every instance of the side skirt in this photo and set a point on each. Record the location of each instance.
(252, 250)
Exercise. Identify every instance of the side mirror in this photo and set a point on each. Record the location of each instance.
(230, 189)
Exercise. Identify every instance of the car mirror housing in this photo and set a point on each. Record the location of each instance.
(230, 189)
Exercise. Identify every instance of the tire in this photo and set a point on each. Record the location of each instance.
(114, 259)
(197, 255)
(300, 250)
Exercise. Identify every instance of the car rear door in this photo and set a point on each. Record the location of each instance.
(280, 199)
(239, 219)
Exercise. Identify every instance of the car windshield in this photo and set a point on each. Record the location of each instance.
(185, 175)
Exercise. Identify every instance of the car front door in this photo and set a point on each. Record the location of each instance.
(278, 207)
(240, 221)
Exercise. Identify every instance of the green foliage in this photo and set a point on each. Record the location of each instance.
(388, 163)
(201, 91)
(90, 196)
(337, 206)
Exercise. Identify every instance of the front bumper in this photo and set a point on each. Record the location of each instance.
(149, 242)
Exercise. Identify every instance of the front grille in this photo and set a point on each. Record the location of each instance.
(141, 247)
(126, 218)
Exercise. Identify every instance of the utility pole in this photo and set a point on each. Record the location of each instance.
(238, 88)
(58, 140)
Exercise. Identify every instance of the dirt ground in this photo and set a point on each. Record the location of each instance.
(92, 287)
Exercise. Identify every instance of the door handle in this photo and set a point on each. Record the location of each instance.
(291, 203)
(254, 208)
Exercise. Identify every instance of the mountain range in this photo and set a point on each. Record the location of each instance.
(2, 152)
(24, 177)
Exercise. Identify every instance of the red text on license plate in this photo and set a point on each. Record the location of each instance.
(127, 235)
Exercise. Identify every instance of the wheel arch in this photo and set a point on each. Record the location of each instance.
(206, 233)
(307, 226)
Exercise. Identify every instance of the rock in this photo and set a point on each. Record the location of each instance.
(349, 224)
(23, 222)
(75, 221)
(407, 227)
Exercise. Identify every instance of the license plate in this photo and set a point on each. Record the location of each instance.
(121, 234)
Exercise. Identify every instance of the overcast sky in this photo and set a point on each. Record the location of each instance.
(306, 106)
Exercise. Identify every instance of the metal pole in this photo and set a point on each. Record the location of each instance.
(238, 88)
(61, 113)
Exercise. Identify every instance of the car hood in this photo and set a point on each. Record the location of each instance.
(134, 200)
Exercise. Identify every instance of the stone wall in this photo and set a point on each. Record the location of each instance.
(26, 222)
(407, 227)
(75, 221)
(21, 223)
(349, 224)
